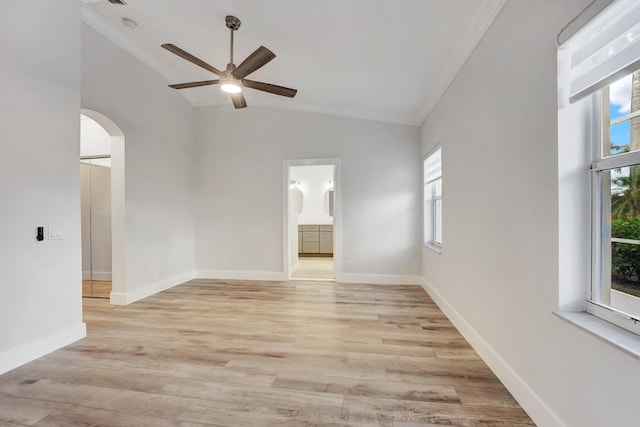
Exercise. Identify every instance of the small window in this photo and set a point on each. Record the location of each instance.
(433, 200)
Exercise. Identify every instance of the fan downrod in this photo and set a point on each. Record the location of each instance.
(232, 22)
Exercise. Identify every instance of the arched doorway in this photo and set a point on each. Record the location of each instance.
(109, 153)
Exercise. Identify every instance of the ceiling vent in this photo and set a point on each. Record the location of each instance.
(122, 2)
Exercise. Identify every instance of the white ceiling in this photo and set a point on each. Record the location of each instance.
(387, 60)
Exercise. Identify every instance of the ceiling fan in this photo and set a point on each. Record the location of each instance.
(232, 80)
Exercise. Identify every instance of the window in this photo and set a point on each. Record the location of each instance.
(600, 64)
(433, 200)
(615, 282)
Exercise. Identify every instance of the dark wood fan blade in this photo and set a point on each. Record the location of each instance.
(194, 84)
(266, 87)
(256, 60)
(238, 100)
(186, 55)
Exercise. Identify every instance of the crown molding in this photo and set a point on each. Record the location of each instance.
(347, 113)
(95, 21)
(116, 36)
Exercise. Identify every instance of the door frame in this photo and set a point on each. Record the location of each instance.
(337, 211)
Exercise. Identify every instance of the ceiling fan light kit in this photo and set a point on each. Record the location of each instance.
(230, 86)
(232, 80)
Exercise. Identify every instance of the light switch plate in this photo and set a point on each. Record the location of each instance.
(55, 233)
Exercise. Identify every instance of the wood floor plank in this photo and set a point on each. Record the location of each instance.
(252, 353)
(435, 413)
(369, 388)
(78, 416)
(20, 411)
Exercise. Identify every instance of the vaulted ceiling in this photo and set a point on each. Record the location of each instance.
(387, 60)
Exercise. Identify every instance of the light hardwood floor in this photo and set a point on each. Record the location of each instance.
(96, 288)
(248, 353)
(318, 268)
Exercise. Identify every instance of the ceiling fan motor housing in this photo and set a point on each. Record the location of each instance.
(233, 23)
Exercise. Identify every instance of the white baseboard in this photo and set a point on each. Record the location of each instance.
(273, 276)
(379, 279)
(539, 412)
(124, 298)
(13, 358)
(97, 275)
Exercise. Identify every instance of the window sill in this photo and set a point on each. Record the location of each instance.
(434, 248)
(605, 331)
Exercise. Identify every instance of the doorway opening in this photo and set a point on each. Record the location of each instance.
(312, 219)
(95, 199)
(102, 205)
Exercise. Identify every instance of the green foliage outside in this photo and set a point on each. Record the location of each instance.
(625, 257)
(626, 202)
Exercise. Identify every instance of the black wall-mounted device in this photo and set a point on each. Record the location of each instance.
(40, 235)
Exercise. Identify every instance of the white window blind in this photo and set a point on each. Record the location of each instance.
(433, 166)
(606, 48)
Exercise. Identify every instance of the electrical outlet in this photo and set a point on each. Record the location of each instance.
(225, 261)
(347, 265)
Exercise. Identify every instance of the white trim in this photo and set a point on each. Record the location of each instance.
(624, 118)
(336, 111)
(15, 357)
(105, 28)
(124, 298)
(535, 407)
(616, 161)
(614, 315)
(434, 247)
(271, 276)
(629, 241)
(603, 330)
(97, 275)
(626, 303)
(379, 279)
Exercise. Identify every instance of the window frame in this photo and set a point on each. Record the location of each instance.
(598, 298)
(430, 229)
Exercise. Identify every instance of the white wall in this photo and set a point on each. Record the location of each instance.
(497, 276)
(40, 282)
(94, 140)
(240, 157)
(314, 182)
(158, 128)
